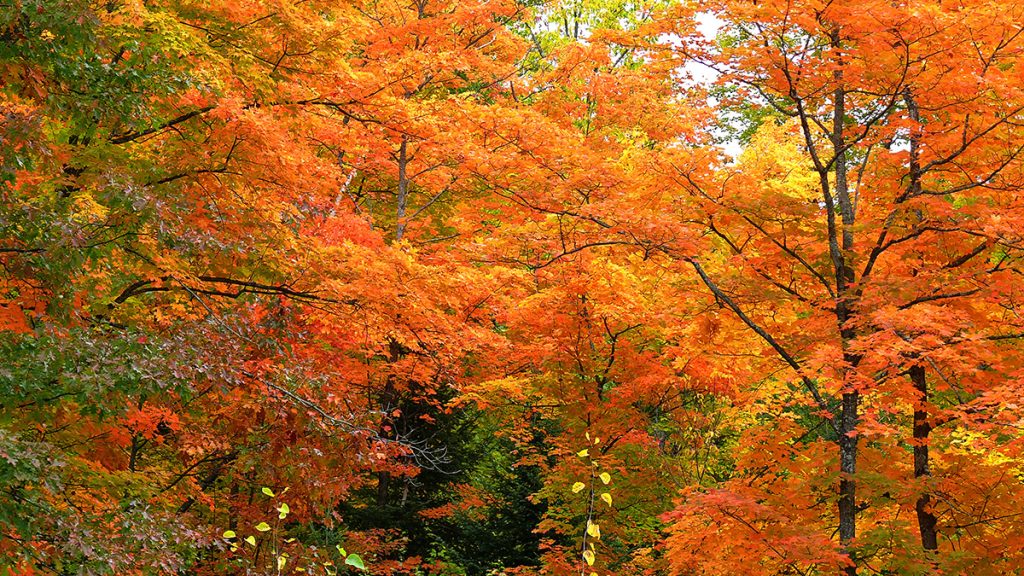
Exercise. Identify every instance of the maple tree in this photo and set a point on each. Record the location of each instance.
(214, 216)
(869, 254)
(447, 287)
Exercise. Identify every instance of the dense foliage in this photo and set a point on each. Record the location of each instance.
(469, 287)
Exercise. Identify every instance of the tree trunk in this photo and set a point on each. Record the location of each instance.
(389, 396)
(403, 189)
(848, 469)
(927, 523)
(845, 279)
(383, 485)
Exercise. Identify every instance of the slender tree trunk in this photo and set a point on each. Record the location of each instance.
(133, 457)
(233, 507)
(403, 188)
(848, 470)
(926, 520)
(383, 486)
(845, 278)
(138, 442)
(927, 523)
(388, 403)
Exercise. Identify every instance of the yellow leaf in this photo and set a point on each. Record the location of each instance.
(588, 555)
(250, 540)
(578, 486)
(594, 530)
(229, 534)
(268, 491)
(263, 527)
(605, 477)
(607, 498)
(583, 453)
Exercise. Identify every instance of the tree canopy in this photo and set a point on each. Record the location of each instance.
(481, 287)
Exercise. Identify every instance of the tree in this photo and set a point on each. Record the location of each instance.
(455, 287)
(198, 309)
(908, 126)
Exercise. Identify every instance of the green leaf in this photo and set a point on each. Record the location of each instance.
(355, 560)
(283, 509)
(268, 491)
(263, 527)
(229, 534)
(251, 540)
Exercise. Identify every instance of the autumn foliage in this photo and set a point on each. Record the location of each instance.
(446, 287)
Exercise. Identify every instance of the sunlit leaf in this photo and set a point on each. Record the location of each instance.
(589, 557)
(355, 561)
